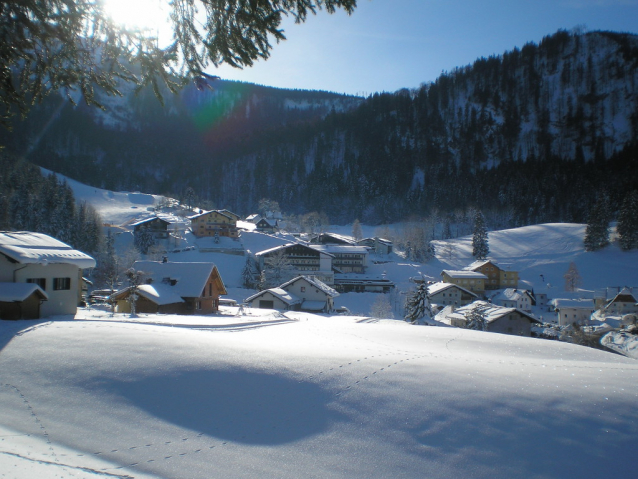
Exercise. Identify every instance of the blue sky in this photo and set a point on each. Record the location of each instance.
(386, 45)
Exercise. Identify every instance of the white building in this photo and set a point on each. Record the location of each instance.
(573, 310)
(53, 266)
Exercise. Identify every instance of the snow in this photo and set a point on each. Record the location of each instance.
(263, 394)
(36, 248)
(260, 393)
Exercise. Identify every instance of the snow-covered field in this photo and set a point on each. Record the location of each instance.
(297, 395)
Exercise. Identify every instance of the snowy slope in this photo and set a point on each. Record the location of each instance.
(305, 396)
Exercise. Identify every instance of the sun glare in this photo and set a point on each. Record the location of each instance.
(151, 15)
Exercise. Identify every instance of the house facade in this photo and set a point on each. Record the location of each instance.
(497, 318)
(346, 258)
(214, 223)
(39, 259)
(303, 293)
(301, 260)
(515, 298)
(445, 294)
(623, 303)
(496, 277)
(376, 244)
(173, 288)
(471, 280)
(573, 311)
(155, 225)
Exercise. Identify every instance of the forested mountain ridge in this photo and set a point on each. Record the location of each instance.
(528, 136)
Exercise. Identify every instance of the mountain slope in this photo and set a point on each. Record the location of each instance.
(530, 136)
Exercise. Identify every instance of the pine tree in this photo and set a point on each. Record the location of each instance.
(476, 319)
(597, 231)
(76, 45)
(143, 240)
(627, 227)
(248, 273)
(480, 245)
(418, 304)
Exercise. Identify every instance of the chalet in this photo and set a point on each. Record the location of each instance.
(267, 225)
(449, 294)
(38, 259)
(157, 226)
(362, 283)
(623, 303)
(303, 293)
(378, 245)
(515, 298)
(573, 310)
(497, 278)
(471, 280)
(497, 318)
(300, 260)
(346, 258)
(214, 223)
(174, 288)
(332, 238)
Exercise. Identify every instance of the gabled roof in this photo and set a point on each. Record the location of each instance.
(560, 303)
(289, 245)
(18, 292)
(337, 237)
(37, 248)
(340, 249)
(189, 278)
(511, 294)
(281, 294)
(320, 285)
(492, 312)
(372, 240)
(148, 220)
(225, 213)
(478, 263)
(624, 296)
(435, 288)
(463, 274)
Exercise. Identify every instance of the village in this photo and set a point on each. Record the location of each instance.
(42, 277)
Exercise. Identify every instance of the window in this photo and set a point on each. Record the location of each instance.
(60, 284)
(303, 289)
(42, 282)
(198, 305)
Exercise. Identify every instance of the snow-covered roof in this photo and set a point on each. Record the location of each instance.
(149, 219)
(288, 245)
(10, 292)
(226, 213)
(560, 303)
(511, 294)
(478, 264)
(189, 278)
(37, 248)
(372, 240)
(279, 293)
(338, 237)
(160, 293)
(435, 288)
(340, 249)
(624, 296)
(491, 312)
(320, 285)
(464, 274)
